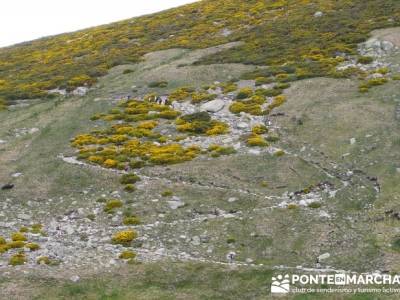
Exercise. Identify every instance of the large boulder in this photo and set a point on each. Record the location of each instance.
(213, 106)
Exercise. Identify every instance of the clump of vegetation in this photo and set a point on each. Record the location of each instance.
(16, 244)
(264, 184)
(268, 92)
(201, 123)
(24, 229)
(244, 93)
(131, 220)
(32, 246)
(314, 205)
(230, 240)
(365, 60)
(36, 228)
(124, 237)
(365, 86)
(3, 104)
(158, 84)
(129, 178)
(43, 260)
(127, 255)
(202, 97)
(130, 188)
(278, 101)
(181, 94)
(18, 237)
(17, 259)
(217, 150)
(259, 129)
(112, 204)
(256, 140)
(279, 153)
(263, 80)
(292, 206)
(167, 193)
(251, 106)
(228, 87)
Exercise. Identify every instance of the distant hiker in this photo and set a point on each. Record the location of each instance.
(231, 257)
(164, 100)
(58, 232)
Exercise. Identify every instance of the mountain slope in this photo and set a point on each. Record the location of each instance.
(201, 173)
(281, 33)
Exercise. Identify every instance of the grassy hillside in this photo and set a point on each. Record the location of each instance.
(256, 151)
(284, 34)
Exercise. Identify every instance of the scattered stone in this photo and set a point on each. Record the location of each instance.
(61, 92)
(33, 130)
(254, 151)
(74, 278)
(175, 203)
(213, 106)
(24, 217)
(80, 91)
(318, 14)
(196, 241)
(69, 230)
(226, 32)
(323, 256)
(242, 125)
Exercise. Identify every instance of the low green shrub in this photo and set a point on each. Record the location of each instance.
(129, 178)
(158, 84)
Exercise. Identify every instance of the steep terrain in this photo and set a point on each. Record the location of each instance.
(293, 167)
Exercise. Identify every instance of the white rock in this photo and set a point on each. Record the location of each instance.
(318, 14)
(175, 204)
(352, 141)
(2, 141)
(24, 217)
(242, 125)
(254, 151)
(69, 230)
(33, 130)
(16, 175)
(80, 91)
(213, 106)
(196, 241)
(58, 91)
(324, 256)
(232, 199)
(226, 32)
(74, 278)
